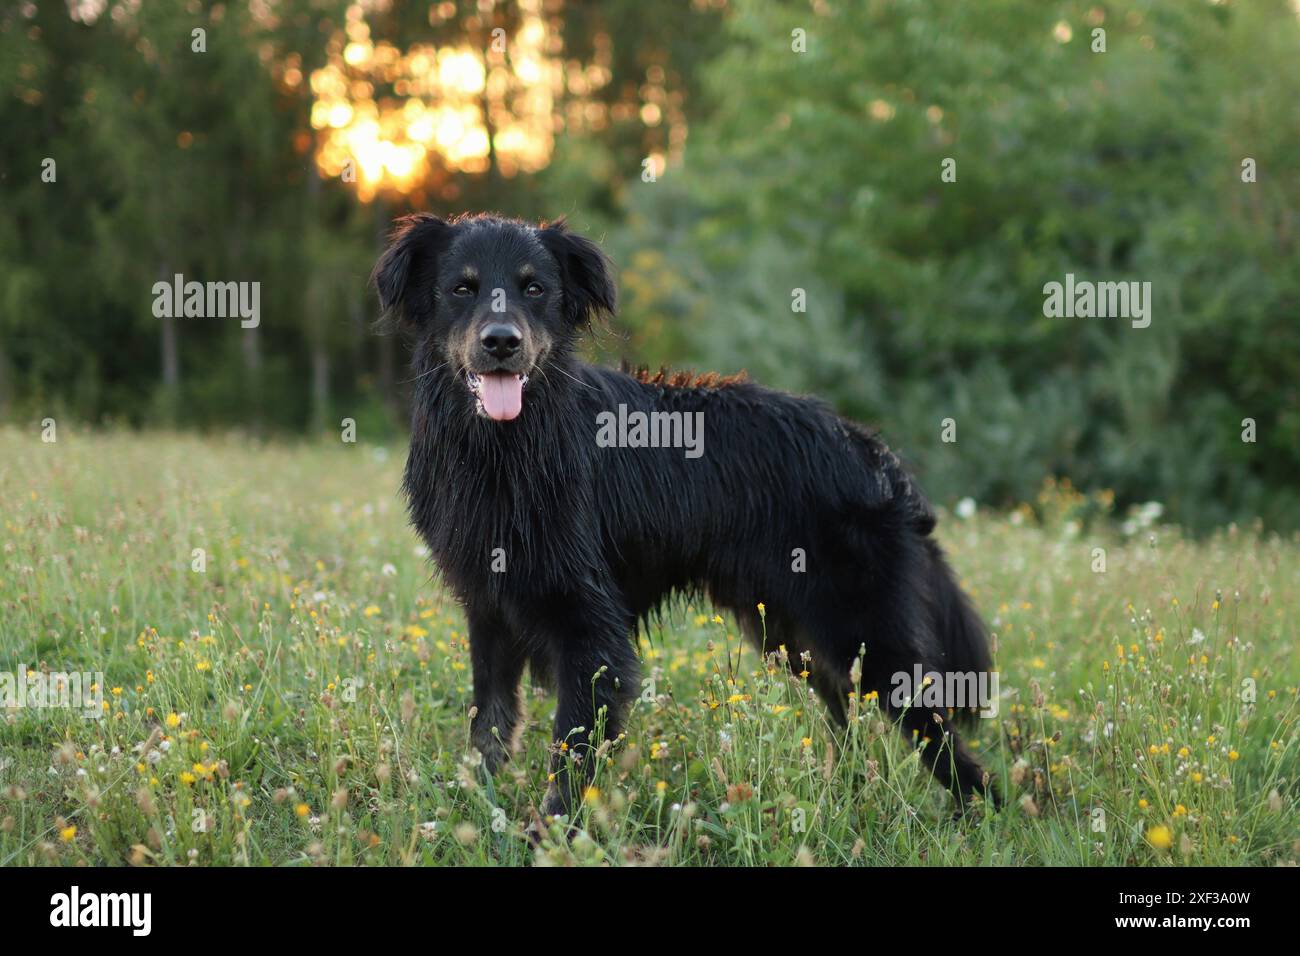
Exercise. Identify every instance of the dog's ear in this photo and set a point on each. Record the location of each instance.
(585, 271)
(413, 249)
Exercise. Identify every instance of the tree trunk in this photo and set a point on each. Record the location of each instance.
(387, 341)
(171, 360)
(320, 386)
(251, 342)
(169, 344)
(4, 383)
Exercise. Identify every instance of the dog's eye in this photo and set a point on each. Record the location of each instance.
(463, 289)
(533, 290)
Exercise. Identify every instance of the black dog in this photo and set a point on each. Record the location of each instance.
(558, 532)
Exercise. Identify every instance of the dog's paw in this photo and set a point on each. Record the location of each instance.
(490, 748)
(554, 803)
(535, 832)
(551, 820)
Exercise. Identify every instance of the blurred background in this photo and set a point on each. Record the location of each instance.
(722, 170)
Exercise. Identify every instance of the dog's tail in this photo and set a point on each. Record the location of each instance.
(963, 643)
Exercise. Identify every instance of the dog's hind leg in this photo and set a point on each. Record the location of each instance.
(498, 660)
(926, 724)
(944, 753)
(893, 650)
(774, 630)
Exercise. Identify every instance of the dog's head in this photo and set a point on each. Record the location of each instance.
(495, 299)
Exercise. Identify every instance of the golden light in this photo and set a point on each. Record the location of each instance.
(340, 115)
(451, 109)
(460, 70)
(407, 119)
(357, 54)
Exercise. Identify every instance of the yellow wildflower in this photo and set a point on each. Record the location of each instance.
(1160, 837)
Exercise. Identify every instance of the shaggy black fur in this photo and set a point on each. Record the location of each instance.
(558, 546)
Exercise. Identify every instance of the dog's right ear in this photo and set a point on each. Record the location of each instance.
(412, 255)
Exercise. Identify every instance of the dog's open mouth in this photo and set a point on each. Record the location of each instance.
(500, 394)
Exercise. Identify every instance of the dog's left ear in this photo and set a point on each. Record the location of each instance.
(585, 271)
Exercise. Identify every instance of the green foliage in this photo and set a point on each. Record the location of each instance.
(817, 171)
(175, 161)
(821, 171)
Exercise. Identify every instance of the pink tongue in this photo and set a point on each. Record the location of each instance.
(502, 395)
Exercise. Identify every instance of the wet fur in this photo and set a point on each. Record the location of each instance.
(596, 538)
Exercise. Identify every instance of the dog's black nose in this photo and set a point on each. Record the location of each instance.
(500, 340)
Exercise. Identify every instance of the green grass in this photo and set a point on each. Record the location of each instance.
(304, 699)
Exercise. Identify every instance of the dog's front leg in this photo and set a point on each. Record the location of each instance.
(596, 672)
(498, 660)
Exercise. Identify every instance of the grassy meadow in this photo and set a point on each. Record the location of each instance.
(303, 698)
